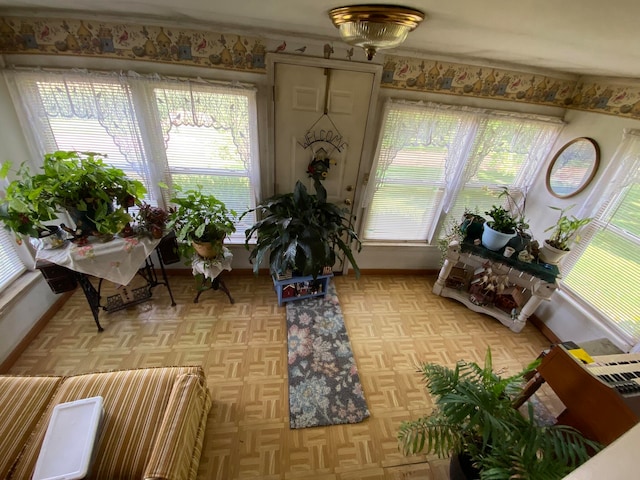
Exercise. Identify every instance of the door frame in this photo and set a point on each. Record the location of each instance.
(368, 143)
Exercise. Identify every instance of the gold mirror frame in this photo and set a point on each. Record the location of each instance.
(585, 153)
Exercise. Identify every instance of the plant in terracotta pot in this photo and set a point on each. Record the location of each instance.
(302, 233)
(564, 233)
(201, 222)
(474, 419)
(94, 193)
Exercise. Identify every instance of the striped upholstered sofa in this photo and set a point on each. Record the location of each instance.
(153, 427)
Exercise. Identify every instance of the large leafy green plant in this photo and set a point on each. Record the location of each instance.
(79, 182)
(474, 415)
(303, 233)
(199, 217)
(24, 209)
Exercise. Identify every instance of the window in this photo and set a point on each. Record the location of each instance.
(435, 160)
(12, 266)
(174, 132)
(605, 265)
(209, 144)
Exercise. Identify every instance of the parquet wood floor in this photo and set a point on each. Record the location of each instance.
(394, 323)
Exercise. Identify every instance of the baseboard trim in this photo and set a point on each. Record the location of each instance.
(33, 333)
(263, 271)
(546, 331)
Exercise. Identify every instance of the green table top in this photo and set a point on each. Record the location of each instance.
(543, 271)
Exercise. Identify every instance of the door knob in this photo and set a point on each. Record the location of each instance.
(347, 201)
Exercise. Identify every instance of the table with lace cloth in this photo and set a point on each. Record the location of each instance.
(209, 270)
(118, 261)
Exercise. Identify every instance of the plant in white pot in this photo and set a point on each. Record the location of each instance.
(564, 234)
(500, 230)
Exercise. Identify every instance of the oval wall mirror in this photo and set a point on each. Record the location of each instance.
(573, 167)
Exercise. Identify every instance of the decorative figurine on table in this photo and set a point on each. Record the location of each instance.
(525, 257)
(78, 237)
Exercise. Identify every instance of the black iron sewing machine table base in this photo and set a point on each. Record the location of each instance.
(132, 296)
(62, 279)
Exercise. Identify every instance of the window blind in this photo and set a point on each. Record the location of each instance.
(207, 132)
(605, 265)
(156, 130)
(434, 161)
(12, 266)
(418, 148)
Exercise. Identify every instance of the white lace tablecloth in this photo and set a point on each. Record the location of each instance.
(117, 260)
(213, 267)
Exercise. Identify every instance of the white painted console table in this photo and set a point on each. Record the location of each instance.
(540, 285)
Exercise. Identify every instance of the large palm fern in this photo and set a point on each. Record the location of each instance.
(474, 414)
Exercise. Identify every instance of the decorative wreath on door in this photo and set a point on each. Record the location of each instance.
(319, 166)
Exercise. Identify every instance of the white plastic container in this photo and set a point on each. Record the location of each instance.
(68, 445)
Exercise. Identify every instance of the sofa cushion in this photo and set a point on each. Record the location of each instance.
(23, 400)
(135, 402)
(183, 424)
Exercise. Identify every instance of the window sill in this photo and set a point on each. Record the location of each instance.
(397, 243)
(17, 290)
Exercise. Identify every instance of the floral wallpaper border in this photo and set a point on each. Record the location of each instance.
(131, 42)
(407, 73)
(23, 35)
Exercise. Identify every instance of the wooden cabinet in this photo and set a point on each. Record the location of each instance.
(534, 285)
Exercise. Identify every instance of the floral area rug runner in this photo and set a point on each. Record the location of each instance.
(324, 386)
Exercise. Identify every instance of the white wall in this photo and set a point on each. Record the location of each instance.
(18, 312)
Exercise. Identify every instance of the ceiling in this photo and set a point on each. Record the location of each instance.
(590, 37)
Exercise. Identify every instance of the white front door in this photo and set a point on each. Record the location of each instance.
(303, 131)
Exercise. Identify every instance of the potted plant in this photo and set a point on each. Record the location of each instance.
(472, 225)
(501, 229)
(151, 221)
(474, 419)
(23, 210)
(523, 237)
(201, 222)
(82, 184)
(564, 233)
(303, 233)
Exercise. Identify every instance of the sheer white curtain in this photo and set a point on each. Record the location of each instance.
(434, 160)
(604, 266)
(203, 134)
(508, 151)
(419, 156)
(84, 111)
(156, 129)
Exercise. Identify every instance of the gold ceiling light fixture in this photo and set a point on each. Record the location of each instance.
(375, 27)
